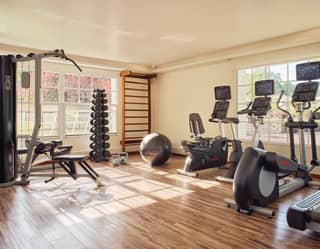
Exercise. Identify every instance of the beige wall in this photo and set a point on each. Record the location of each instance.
(179, 92)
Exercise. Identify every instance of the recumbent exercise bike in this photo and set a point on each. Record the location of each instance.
(208, 153)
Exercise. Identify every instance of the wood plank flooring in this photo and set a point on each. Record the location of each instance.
(140, 207)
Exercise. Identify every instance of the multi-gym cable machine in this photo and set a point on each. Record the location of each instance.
(10, 163)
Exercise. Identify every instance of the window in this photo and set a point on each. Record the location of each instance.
(284, 76)
(66, 101)
(50, 104)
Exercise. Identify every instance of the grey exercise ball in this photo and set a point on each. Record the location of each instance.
(155, 149)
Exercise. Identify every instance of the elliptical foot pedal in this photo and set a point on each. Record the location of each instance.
(183, 172)
(264, 211)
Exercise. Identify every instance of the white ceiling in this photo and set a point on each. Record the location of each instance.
(150, 32)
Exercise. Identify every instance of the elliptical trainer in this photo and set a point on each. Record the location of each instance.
(256, 183)
(256, 112)
(207, 153)
(305, 214)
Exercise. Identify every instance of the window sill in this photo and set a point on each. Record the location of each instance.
(273, 143)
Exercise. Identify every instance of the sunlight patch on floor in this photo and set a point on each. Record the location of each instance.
(113, 207)
(144, 168)
(205, 184)
(166, 194)
(129, 179)
(182, 178)
(67, 218)
(182, 190)
(79, 200)
(162, 184)
(54, 192)
(139, 164)
(161, 172)
(91, 213)
(120, 192)
(111, 173)
(143, 186)
(49, 208)
(138, 201)
(64, 220)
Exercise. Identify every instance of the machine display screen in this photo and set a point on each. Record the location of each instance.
(222, 92)
(308, 71)
(264, 87)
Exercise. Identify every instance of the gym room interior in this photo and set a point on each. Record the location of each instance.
(159, 124)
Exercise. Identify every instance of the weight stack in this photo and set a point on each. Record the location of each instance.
(99, 121)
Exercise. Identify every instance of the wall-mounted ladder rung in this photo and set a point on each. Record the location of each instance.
(136, 89)
(137, 130)
(134, 138)
(136, 116)
(134, 84)
(138, 83)
(135, 96)
(136, 124)
(136, 103)
(136, 110)
(132, 144)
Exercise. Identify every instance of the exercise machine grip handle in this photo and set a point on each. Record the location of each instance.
(280, 108)
(245, 110)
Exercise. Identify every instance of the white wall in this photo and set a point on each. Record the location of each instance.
(180, 92)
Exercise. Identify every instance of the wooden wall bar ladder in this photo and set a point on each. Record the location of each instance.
(136, 108)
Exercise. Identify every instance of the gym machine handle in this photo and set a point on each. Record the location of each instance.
(305, 107)
(55, 53)
(280, 108)
(316, 110)
(245, 110)
(63, 55)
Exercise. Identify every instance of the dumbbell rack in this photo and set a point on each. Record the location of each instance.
(99, 129)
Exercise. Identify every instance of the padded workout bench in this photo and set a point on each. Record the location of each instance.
(68, 163)
(57, 152)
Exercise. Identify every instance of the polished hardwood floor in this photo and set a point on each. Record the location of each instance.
(139, 207)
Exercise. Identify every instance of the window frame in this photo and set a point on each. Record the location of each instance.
(62, 69)
(269, 123)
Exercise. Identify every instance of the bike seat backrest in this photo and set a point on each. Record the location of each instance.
(220, 110)
(196, 125)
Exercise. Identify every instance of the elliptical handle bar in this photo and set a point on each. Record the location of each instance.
(308, 106)
(317, 109)
(245, 110)
(279, 107)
